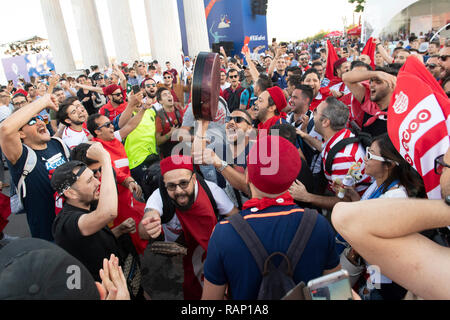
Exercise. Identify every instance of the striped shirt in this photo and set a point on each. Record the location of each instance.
(344, 159)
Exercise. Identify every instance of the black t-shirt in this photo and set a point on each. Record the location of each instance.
(377, 128)
(90, 250)
(39, 202)
(89, 105)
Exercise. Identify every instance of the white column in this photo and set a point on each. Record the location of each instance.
(196, 28)
(164, 31)
(123, 31)
(57, 36)
(92, 46)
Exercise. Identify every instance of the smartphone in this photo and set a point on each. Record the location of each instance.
(333, 286)
(136, 89)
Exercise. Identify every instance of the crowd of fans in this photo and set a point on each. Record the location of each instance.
(112, 162)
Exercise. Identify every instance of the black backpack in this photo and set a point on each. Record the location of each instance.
(360, 137)
(276, 282)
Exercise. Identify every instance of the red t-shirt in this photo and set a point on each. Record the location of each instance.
(171, 120)
(111, 112)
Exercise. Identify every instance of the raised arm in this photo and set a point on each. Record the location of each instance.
(383, 51)
(90, 88)
(106, 210)
(385, 233)
(9, 129)
(133, 102)
(134, 122)
(274, 62)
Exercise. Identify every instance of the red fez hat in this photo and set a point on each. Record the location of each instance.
(278, 97)
(339, 62)
(176, 162)
(110, 89)
(21, 91)
(273, 164)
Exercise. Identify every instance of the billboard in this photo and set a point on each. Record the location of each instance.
(28, 65)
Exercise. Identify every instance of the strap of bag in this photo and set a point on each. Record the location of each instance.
(301, 237)
(30, 163)
(337, 147)
(250, 239)
(205, 187)
(63, 145)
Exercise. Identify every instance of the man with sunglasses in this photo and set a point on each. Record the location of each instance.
(434, 66)
(192, 214)
(232, 94)
(116, 104)
(444, 61)
(26, 129)
(177, 90)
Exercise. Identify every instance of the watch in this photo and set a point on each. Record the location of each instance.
(223, 166)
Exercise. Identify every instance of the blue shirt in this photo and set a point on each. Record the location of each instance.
(229, 260)
(279, 79)
(39, 202)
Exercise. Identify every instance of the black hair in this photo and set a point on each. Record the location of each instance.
(307, 91)
(79, 153)
(230, 71)
(28, 86)
(264, 82)
(61, 114)
(358, 63)
(92, 125)
(285, 131)
(317, 63)
(309, 71)
(403, 172)
(159, 93)
(295, 80)
(294, 70)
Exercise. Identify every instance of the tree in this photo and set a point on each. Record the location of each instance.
(359, 5)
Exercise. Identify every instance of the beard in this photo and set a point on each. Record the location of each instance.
(118, 101)
(188, 205)
(150, 95)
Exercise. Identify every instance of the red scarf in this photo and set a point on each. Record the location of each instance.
(261, 204)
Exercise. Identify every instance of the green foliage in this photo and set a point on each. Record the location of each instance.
(359, 5)
(317, 36)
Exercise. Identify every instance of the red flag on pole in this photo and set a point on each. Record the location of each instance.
(332, 58)
(418, 121)
(369, 50)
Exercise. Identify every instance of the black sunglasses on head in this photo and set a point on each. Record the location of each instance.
(237, 119)
(105, 125)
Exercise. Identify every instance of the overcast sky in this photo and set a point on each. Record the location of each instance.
(286, 20)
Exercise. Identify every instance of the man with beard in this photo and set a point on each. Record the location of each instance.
(387, 233)
(444, 62)
(268, 107)
(232, 159)
(232, 94)
(192, 214)
(434, 66)
(337, 85)
(374, 97)
(116, 104)
(177, 90)
(72, 115)
(81, 228)
(20, 134)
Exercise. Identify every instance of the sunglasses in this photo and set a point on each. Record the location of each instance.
(184, 184)
(150, 85)
(444, 57)
(117, 94)
(105, 125)
(371, 156)
(34, 120)
(234, 77)
(97, 170)
(237, 119)
(439, 165)
(431, 66)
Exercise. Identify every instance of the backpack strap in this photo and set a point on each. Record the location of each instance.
(338, 147)
(301, 237)
(30, 163)
(205, 187)
(250, 239)
(63, 145)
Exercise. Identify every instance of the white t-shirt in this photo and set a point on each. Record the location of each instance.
(172, 229)
(225, 86)
(73, 138)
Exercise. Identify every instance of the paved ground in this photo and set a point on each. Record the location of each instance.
(162, 276)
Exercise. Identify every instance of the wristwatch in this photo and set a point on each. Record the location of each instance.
(223, 166)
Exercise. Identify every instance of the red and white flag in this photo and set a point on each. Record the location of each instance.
(418, 121)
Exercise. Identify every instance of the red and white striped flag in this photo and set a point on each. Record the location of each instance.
(418, 121)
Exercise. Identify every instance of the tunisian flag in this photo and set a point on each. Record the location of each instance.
(418, 121)
(369, 50)
(5, 210)
(332, 58)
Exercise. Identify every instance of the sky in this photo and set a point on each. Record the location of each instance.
(287, 20)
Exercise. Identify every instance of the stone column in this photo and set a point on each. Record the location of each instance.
(164, 31)
(57, 36)
(92, 46)
(196, 28)
(123, 31)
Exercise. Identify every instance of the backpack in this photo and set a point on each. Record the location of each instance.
(276, 282)
(360, 137)
(163, 116)
(30, 164)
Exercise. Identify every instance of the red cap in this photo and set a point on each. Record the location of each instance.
(110, 89)
(21, 91)
(176, 162)
(339, 62)
(273, 164)
(278, 97)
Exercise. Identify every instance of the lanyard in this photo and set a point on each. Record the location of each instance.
(377, 193)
